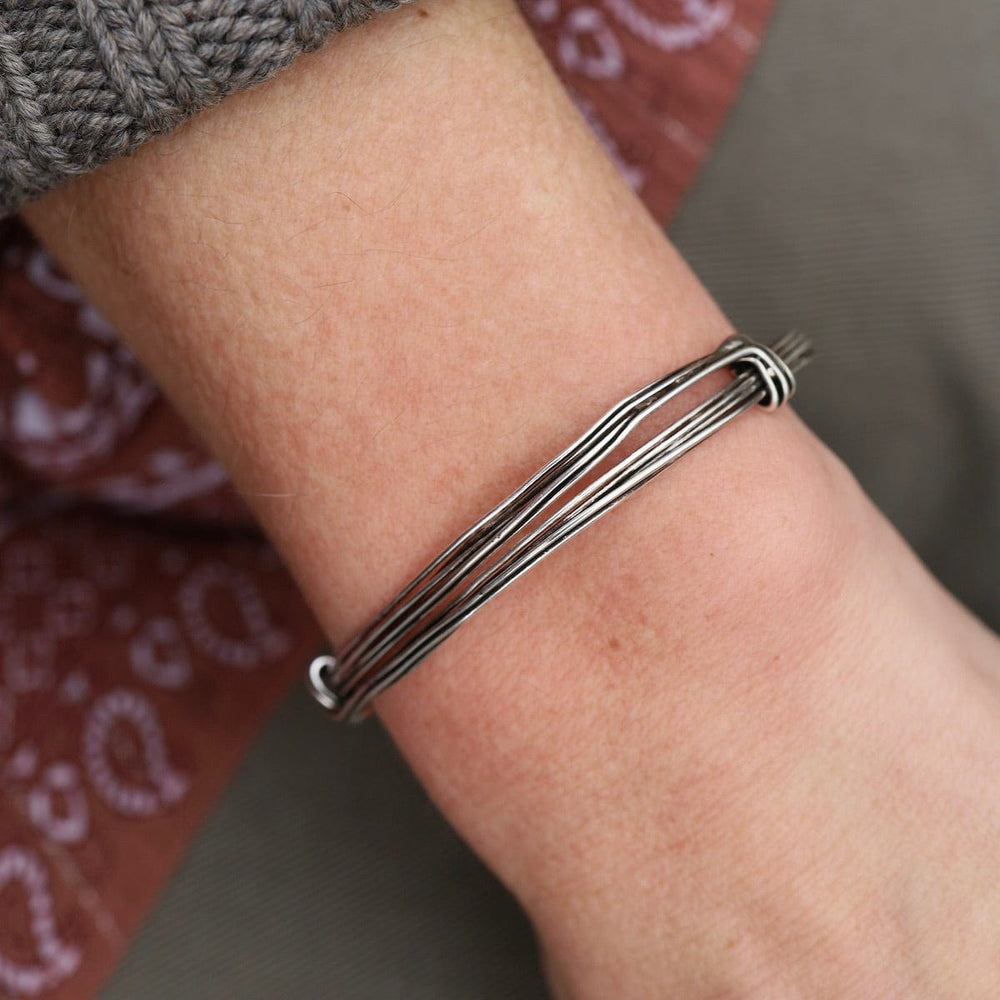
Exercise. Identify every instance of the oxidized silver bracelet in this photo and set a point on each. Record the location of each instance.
(518, 533)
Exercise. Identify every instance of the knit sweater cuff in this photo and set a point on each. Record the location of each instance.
(84, 81)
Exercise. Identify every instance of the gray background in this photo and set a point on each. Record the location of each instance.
(855, 196)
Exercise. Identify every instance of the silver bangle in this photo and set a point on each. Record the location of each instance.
(514, 536)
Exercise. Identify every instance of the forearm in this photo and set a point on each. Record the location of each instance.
(387, 287)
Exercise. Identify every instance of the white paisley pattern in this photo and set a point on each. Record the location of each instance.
(63, 794)
(614, 57)
(51, 435)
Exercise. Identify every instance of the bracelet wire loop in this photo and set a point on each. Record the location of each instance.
(489, 556)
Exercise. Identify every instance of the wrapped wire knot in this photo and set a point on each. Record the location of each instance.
(518, 533)
(776, 377)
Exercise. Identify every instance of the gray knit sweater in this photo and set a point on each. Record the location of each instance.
(83, 81)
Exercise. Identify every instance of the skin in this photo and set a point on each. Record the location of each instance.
(732, 741)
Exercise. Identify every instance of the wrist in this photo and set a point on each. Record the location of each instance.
(378, 361)
(713, 585)
(736, 807)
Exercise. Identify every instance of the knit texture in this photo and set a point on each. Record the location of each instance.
(84, 81)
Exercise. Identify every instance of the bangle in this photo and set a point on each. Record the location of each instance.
(518, 533)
